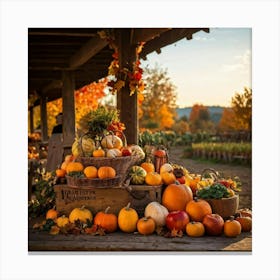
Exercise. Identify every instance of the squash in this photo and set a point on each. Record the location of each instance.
(83, 214)
(146, 225)
(168, 178)
(52, 214)
(112, 153)
(137, 151)
(60, 173)
(74, 166)
(198, 208)
(62, 221)
(98, 153)
(148, 166)
(83, 146)
(105, 172)
(138, 175)
(195, 229)
(127, 219)
(166, 167)
(111, 142)
(107, 221)
(153, 179)
(232, 228)
(156, 211)
(90, 172)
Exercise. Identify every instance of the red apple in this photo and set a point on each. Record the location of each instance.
(214, 224)
(177, 220)
(126, 151)
(181, 180)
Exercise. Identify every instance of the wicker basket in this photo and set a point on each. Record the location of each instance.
(120, 164)
(93, 182)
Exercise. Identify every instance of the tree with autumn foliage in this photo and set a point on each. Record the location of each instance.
(200, 119)
(239, 116)
(158, 108)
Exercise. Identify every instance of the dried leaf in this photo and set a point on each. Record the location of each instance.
(54, 230)
(176, 233)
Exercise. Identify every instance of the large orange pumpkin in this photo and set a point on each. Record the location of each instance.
(74, 166)
(106, 172)
(176, 197)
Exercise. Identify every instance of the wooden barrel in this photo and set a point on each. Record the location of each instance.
(225, 207)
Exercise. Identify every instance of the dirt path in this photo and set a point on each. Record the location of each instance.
(227, 170)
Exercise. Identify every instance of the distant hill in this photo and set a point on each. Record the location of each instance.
(215, 112)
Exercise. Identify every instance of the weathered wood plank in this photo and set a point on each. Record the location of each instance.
(118, 241)
(44, 123)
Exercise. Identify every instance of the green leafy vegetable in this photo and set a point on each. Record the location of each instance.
(214, 191)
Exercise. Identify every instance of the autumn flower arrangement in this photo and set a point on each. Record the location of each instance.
(122, 76)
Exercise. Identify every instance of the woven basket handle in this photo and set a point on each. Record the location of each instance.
(212, 172)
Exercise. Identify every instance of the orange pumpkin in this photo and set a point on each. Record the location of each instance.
(176, 197)
(232, 228)
(64, 165)
(168, 178)
(195, 229)
(74, 166)
(52, 214)
(98, 153)
(60, 173)
(107, 221)
(90, 172)
(197, 209)
(106, 172)
(153, 179)
(246, 223)
(127, 219)
(146, 225)
(160, 153)
(148, 166)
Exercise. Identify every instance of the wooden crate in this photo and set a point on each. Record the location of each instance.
(97, 199)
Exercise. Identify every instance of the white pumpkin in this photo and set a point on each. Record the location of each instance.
(137, 151)
(112, 142)
(112, 153)
(166, 167)
(156, 211)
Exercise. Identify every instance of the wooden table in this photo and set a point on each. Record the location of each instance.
(119, 241)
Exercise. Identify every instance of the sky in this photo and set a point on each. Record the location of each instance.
(210, 68)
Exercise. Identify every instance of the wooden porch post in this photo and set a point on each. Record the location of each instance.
(31, 120)
(44, 123)
(68, 103)
(125, 103)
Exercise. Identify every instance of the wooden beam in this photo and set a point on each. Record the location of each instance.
(68, 101)
(31, 120)
(53, 85)
(77, 32)
(87, 51)
(146, 34)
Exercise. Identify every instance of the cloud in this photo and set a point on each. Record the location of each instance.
(241, 63)
(203, 39)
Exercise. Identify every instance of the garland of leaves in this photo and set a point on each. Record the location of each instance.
(123, 75)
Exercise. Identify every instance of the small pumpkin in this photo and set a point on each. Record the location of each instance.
(74, 166)
(156, 211)
(166, 167)
(246, 223)
(160, 153)
(105, 172)
(60, 173)
(62, 221)
(99, 153)
(83, 214)
(153, 179)
(64, 165)
(176, 197)
(111, 141)
(232, 228)
(148, 166)
(90, 172)
(112, 153)
(146, 225)
(197, 209)
(195, 229)
(127, 219)
(168, 177)
(52, 214)
(137, 175)
(107, 221)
